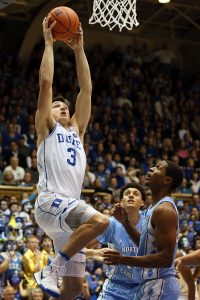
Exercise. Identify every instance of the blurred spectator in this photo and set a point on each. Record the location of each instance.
(166, 58)
(36, 294)
(23, 148)
(14, 281)
(101, 175)
(33, 170)
(32, 262)
(27, 180)
(8, 293)
(47, 253)
(15, 266)
(33, 155)
(14, 167)
(14, 151)
(185, 237)
(8, 178)
(89, 178)
(10, 135)
(184, 188)
(4, 207)
(119, 176)
(195, 182)
(4, 264)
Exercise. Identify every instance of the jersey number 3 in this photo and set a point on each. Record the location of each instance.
(72, 159)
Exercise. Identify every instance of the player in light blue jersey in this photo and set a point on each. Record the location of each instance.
(121, 283)
(67, 220)
(158, 241)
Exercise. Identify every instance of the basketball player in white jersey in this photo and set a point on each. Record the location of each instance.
(61, 163)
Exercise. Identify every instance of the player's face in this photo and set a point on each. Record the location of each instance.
(156, 175)
(60, 112)
(132, 199)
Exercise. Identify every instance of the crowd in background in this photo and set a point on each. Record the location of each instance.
(144, 108)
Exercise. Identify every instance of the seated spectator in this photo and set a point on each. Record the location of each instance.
(36, 294)
(101, 175)
(14, 167)
(195, 182)
(194, 214)
(89, 178)
(4, 207)
(183, 152)
(27, 180)
(166, 58)
(109, 164)
(31, 136)
(184, 188)
(113, 186)
(9, 135)
(8, 293)
(33, 170)
(33, 154)
(4, 264)
(23, 148)
(96, 134)
(185, 232)
(14, 151)
(8, 178)
(119, 176)
(195, 200)
(189, 168)
(117, 161)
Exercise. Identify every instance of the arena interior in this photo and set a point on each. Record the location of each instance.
(145, 107)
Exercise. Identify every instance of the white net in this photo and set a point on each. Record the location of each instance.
(113, 13)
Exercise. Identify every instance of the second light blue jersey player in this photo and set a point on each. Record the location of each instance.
(121, 283)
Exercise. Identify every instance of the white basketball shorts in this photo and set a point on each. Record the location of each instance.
(58, 216)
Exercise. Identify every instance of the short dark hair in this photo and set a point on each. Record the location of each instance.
(175, 172)
(134, 185)
(59, 98)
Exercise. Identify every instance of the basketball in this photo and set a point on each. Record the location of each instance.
(67, 23)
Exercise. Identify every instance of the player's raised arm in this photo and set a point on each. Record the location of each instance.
(83, 103)
(165, 225)
(44, 120)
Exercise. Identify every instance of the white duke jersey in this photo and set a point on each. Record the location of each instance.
(61, 162)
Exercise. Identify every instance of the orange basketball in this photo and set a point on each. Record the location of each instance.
(67, 23)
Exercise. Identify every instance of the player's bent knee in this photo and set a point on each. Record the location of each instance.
(101, 222)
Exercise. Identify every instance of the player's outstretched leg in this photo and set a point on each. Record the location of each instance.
(47, 278)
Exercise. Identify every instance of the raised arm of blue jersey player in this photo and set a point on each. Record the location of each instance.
(121, 216)
(164, 221)
(44, 120)
(83, 103)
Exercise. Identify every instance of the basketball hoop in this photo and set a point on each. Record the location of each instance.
(111, 13)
